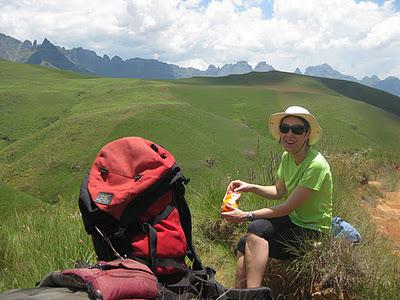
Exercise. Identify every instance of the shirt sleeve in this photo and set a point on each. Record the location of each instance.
(279, 173)
(313, 177)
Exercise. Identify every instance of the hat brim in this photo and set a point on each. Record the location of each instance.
(315, 129)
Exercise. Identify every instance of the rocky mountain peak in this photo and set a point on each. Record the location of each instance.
(374, 77)
(27, 44)
(242, 63)
(323, 69)
(241, 67)
(370, 80)
(263, 67)
(298, 71)
(326, 70)
(212, 70)
(47, 44)
(118, 59)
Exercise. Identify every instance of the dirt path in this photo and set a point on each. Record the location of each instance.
(386, 215)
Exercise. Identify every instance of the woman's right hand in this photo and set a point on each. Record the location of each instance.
(239, 186)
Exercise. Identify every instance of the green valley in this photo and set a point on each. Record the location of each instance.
(53, 123)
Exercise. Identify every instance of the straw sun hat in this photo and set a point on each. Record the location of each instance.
(297, 111)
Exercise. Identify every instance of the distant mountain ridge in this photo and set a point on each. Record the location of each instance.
(88, 62)
(390, 84)
(327, 71)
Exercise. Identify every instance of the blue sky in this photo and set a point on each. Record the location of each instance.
(267, 8)
(380, 2)
(267, 5)
(359, 38)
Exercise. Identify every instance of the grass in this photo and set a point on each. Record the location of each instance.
(53, 123)
(45, 238)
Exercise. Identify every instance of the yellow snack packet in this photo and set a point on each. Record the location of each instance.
(231, 198)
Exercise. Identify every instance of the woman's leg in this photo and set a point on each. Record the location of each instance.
(240, 271)
(255, 258)
(252, 256)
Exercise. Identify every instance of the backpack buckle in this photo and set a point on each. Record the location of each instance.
(145, 227)
(103, 169)
(120, 233)
(186, 180)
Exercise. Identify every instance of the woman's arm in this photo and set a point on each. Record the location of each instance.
(277, 191)
(299, 195)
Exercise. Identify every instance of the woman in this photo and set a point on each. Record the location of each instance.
(304, 178)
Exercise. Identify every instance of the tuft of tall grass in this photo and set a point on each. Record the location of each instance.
(39, 241)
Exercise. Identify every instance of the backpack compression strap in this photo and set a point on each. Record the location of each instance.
(148, 227)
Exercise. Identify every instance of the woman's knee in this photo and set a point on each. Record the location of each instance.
(256, 245)
(255, 239)
(261, 227)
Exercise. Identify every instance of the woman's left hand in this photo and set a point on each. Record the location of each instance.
(235, 215)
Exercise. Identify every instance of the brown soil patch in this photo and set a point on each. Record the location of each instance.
(386, 215)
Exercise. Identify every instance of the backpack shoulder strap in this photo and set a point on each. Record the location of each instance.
(92, 216)
(186, 219)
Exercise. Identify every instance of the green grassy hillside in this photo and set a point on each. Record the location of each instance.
(53, 123)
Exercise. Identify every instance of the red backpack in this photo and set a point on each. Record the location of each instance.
(133, 205)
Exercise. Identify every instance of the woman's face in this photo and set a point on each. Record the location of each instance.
(292, 142)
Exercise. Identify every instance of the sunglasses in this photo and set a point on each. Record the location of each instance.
(296, 129)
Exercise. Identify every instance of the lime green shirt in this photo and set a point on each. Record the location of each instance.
(313, 173)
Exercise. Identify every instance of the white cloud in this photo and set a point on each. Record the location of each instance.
(357, 38)
(383, 34)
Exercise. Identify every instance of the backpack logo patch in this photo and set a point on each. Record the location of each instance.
(104, 198)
